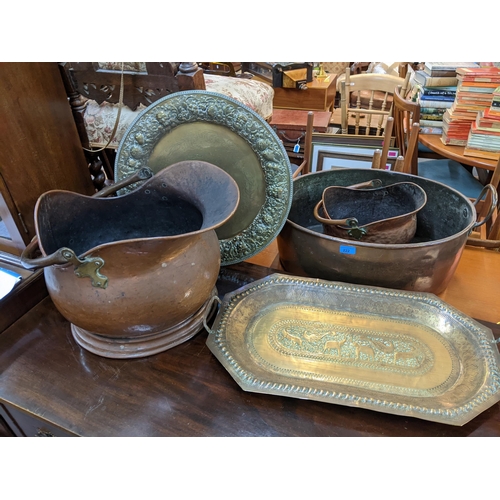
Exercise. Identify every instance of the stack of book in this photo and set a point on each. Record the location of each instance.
(434, 101)
(474, 94)
(435, 87)
(484, 136)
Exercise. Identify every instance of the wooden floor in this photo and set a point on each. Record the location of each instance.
(474, 288)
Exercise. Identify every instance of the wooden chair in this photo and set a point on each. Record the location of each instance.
(232, 69)
(367, 96)
(488, 234)
(304, 167)
(379, 157)
(405, 114)
(446, 171)
(94, 91)
(139, 84)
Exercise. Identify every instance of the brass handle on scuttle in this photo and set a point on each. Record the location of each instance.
(208, 312)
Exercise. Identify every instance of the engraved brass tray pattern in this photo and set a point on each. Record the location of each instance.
(206, 126)
(405, 353)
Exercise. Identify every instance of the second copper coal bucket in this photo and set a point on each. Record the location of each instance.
(384, 214)
(135, 274)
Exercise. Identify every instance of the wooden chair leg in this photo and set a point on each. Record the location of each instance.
(399, 165)
(96, 169)
(377, 154)
(387, 140)
(410, 166)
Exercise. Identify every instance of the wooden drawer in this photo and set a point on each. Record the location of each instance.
(5, 430)
(23, 424)
(290, 124)
(290, 127)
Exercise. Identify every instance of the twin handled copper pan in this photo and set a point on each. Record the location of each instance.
(425, 264)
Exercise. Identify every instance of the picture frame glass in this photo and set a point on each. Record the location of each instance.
(325, 156)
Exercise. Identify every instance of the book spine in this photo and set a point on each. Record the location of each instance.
(436, 104)
(453, 142)
(487, 125)
(432, 111)
(484, 148)
(443, 98)
(475, 90)
(425, 116)
(481, 154)
(437, 73)
(429, 91)
(424, 79)
(430, 123)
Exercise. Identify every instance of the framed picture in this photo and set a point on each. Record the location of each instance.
(351, 139)
(327, 155)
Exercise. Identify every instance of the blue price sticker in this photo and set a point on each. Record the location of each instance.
(348, 249)
(296, 148)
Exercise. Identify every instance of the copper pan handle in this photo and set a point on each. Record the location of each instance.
(350, 221)
(141, 175)
(29, 262)
(494, 202)
(374, 183)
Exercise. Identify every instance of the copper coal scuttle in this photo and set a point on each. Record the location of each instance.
(134, 273)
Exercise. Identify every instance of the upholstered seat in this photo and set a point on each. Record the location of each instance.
(99, 119)
(254, 94)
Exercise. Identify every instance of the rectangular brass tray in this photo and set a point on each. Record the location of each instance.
(404, 353)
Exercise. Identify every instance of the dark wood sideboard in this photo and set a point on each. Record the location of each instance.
(49, 386)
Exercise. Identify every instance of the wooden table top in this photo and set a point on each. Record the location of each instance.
(185, 391)
(433, 142)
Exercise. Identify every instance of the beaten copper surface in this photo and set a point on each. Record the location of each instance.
(159, 273)
(426, 264)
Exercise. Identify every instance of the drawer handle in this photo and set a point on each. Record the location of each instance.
(43, 433)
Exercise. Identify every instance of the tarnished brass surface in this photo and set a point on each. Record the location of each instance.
(200, 125)
(406, 353)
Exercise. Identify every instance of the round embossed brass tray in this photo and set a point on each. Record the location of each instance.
(405, 353)
(200, 125)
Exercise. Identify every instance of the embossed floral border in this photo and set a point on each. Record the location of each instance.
(200, 106)
(459, 415)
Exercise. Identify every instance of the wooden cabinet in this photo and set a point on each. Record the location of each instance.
(39, 151)
(21, 424)
(39, 147)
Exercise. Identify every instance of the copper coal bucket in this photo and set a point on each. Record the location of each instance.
(385, 214)
(135, 274)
